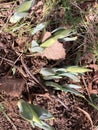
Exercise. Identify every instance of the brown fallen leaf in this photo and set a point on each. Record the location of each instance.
(54, 52)
(46, 36)
(12, 87)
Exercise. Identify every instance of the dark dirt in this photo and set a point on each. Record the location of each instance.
(67, 117)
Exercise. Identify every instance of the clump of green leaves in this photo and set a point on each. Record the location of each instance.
(56, 35)
(59, 34)
(71, 72)
(22, 10)
(35, 115)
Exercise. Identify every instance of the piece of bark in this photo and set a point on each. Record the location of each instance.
(12, 87)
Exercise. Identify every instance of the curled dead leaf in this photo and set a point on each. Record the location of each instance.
(54, 52)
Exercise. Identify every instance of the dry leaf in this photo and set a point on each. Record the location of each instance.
(12, 87)
(54, 52)
(46, 36)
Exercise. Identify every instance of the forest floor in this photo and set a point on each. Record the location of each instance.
(20, 76)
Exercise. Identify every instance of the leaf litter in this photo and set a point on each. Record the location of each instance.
(23, 85)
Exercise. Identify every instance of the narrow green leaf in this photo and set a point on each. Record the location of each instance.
(60, 70)
(27, 112)
(35, 115)
(73, 86)
(94, 98)
(92, 104)
(51, 77)
(58, 35)
(61, 33)
(56, 30)
(34, 44)
(71, 76)
(64, 88)
(1, 107)
(66, 39)
(32, 123)
(48, 42)
(42, 113)
(44, 126)
(76, 69)
(17, 17)
(47, 72)
(22, 11)
(38, 28)
(25, 6)
(35, 47)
